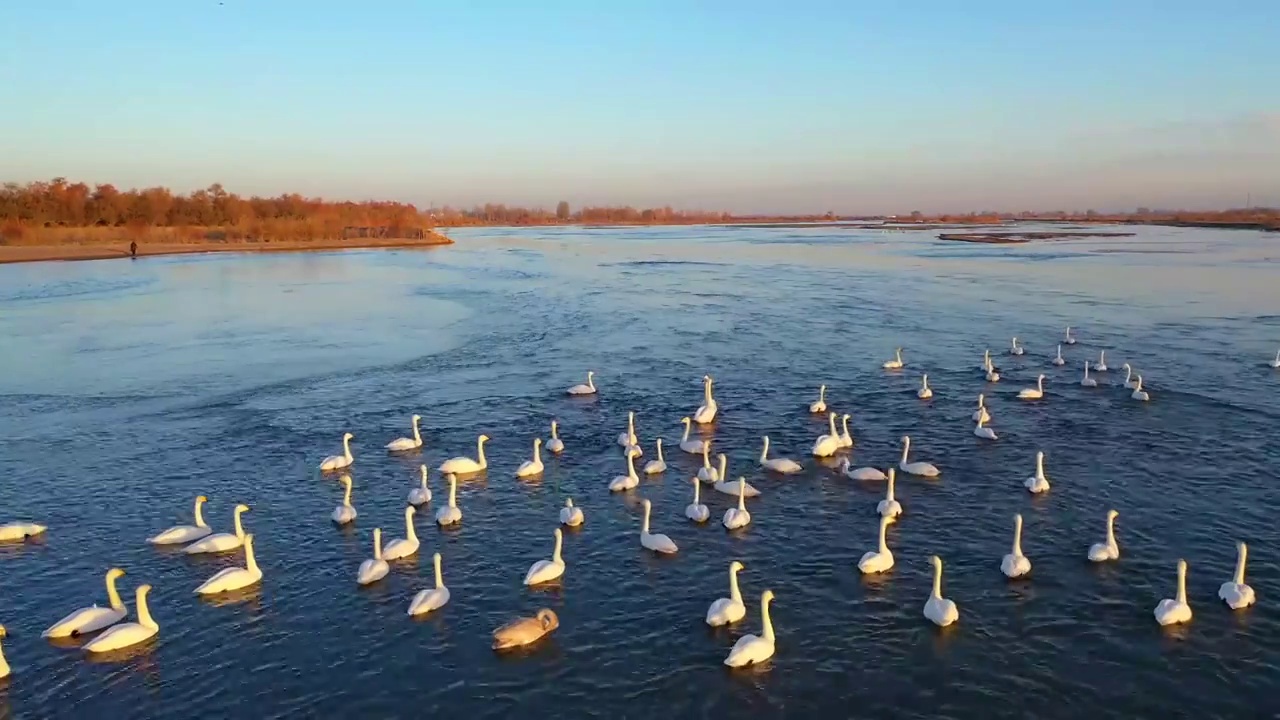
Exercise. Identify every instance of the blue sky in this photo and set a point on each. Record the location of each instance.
(747, 106)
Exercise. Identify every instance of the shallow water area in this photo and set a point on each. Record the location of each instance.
(129, 387)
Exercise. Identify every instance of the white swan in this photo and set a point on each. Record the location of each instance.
(450, 514)
(653, 467)
(819, 405)
(656, 542)
(923, 469)
(706, 412)
(555, 444)
(407, 443)
(1014, 348)
(376, 567)
(862, 473)
(464, 465)
(695, 510)
(983, 431)
(889, 507)
(1129, 382)
(1276, 362)
(880, 559)
(778, 465)
(992, 375)
(692, 446)
(1038, 483)
(1087, 381)
(588, 388)
(738, 517)
(752, 649)
(707, 473)
(407, 546)
(1015, 564)
(733, 487)
(628, 438)
(1235, 593)
(125, 635)
(985, 365)
(1034, 393)
(431, 598)
(181, 534)
(1176, 610)
(626, 482)
(1101, 365)
(846, 437)
(346, 512)
(1109, 550)
(337, 462)
(827, 445)
(1138, 393)
(221, 542)
(4, 664)
(1057, 359)
(1067, 338)
(727, 611)
(19, 531)
(544, 571)
(234, 578)
(571, 515)
(895, 363)
(981, 413)
(529, 468)
(421, 495)
(941, 611)
(93, 618)
(924, 393)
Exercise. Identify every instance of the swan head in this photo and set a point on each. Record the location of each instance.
(348, 436)
(822, 389)
(591, 374)
(905, 439)
(141, 592)
(201, 499)
(685, 420)
(558, 535)
(766, 597)
(408, 513)
(568, 502)
(538, 441)
(981, 398)
(415, 418)
(547, 618)
(846, 417)
(1113, 514)
(483, 439)
(735, 566)
(647, 505)
(1039, 455)
(554, 424)
(936, 562)
(242, 508)
(114, 573)
(1041, 377)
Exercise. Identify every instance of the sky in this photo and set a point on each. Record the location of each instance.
(747, 106)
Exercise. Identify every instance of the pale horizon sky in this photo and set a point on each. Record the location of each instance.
(751, 107)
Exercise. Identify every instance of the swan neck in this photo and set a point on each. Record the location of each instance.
(884, 527)
(724, 467)
(144, 612)
(555, 556)
(377, 543)
(1182, 583)
(1039, 466)
(831, 423)
(764, 452)
(889, 492)
(660, 458)
(423, 483)
(554, 436)
(113, 595)
(250, 561)
(439, 574)
(906, 448)
(453, 491)
(591, 381)
(1111, 531)
(768, 622)
(346, 447)
(644, 529)
(537, 450)
(1017, 536)
(937, 580)
(199, 514)
(631, 465)
(742, 494)
(417, 436)
(822, 393)
(697, 491)
(409, 531)
(706, 455)
(480, 451)
(1240, 561)
(239, 527)
(346, 494)
(687, 423)
(734, 593)
(706, 392)
(844, 422)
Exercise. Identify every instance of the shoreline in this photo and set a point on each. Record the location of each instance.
(117, 250)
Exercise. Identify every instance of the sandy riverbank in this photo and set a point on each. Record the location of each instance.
(116, 250)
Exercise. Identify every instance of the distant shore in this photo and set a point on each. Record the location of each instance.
(120, 248)
(1017, 238)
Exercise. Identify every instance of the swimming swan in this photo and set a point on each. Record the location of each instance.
(547, 570)
(421, 495)
(941, 611)
(653, 467)
(707, 473)
(895, 363)
(889, 507)
(880, 559)
(125, 635)
(737, 517)
(981, 413)
(924, 393)
(1236, 593)
(751, 649)
(983, 431)
(819, 405)
(19, 531)
(692, 446)
(181, 534)
(862, 473)
(1057, 360)
(1129, 382)
(1087, 381)
(465, 465)
(346, 512)
(407, 546)
(1015, 564)
(405, 443)
(1109, 550)
(827, 445)
(93, 618)
(337, 462)
(1138, 393)
(1101, 365)
(626, 482)
(234, 578)
(992, 375)
(656, 542)
(221, 542)
(706, 412)
(450, 514)
(727, 611)
(570, 514)
(1014, 348)
(1175, 611)
(529, 468)
(730, 487)
(846, 437)
(525, 630)
(923, 469)
(431, 598)
(589, 388)
(1067, 338)
(628, 438)
(376, 567)
(1034, 393)
(555, 444)
(778, 465)
(1038, 483)
(695, 510)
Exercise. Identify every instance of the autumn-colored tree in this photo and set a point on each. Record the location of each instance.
(562, 211)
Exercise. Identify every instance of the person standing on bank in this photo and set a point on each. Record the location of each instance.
(133, 250)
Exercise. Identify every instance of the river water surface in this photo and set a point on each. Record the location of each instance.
(127, 388)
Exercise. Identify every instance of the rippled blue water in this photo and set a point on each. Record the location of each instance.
(126, 388)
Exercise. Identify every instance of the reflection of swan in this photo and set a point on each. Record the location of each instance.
(529, 468)
(737, 517)
(819, 405)
(653, 467)
(525, 630)
(547, 570)
(1057, 360)
(889, 507)
(1038, 483)
(406, 443)
(570, 514)
(1101, 365)
(93, 618)
(1087, 381)
(127, 634)
(1175, 611)
(1138, 393)
(707, 473)
(1014, 348)
(941, 611)
(589, 388)
(981, 413)
(862, 473)
(221, 542)
(895, 363)
(19, 531)
(779, 465)
(234, 578)
(1236, 593)
(827, 445)
(463, 465)
(555, 444)
(628, 481)
(751, 649)
(983, 431)
(421, 495)
(880, 559)
(450, 514)
(1067, 339)
(406, 546)
(924, 393)
(1109, 550)
(376, 567)
(922, 469)
(345, 512)
(726, 611)
(1129, 382)
(846, 437)
(180, 534)
(692, 446)
(432, 598)
(1034, 393)
(337, 462)
(695, 510)
(656, 542)
(706, 412)
(1015, 564)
